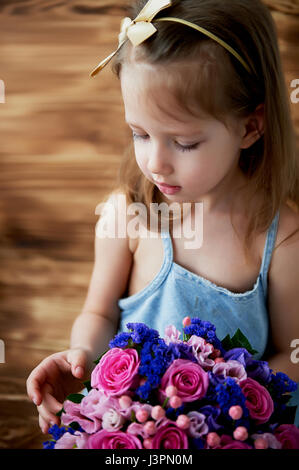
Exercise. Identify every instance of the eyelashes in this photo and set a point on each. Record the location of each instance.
(182, 148)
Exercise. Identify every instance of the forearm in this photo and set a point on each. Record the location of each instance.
(281, 362)
(92, 333)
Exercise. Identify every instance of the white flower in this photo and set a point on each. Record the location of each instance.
(201, 350)
(112, 420)
(198, 427)
(172, 335)
(231, 368)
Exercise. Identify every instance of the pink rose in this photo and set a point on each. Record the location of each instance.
(227, 442)
(188, 377)
(113, 440)
(116, 371)
(258, 400)
(288, 436)
(169, 436)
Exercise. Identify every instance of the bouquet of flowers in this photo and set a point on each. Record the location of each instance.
(148, 392)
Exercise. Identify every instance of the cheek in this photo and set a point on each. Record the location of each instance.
(141, 160)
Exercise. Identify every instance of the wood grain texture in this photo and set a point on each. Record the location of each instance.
(62, 136)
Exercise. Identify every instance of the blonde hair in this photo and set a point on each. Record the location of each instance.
(270, 164)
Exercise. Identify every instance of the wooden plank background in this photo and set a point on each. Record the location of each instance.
(62, 136)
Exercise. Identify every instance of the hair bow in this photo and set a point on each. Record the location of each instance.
(137, 30)
(141, 28)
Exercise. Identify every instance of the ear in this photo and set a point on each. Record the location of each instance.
(253, 127)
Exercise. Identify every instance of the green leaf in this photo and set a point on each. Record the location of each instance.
(59, 413)
(100, 357)
(239, 340)
(88, 385)
(74, 425)
(227, 343)
(75, 397)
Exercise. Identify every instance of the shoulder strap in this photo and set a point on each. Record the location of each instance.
(268, 250)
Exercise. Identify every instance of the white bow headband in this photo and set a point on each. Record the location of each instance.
(141, 28)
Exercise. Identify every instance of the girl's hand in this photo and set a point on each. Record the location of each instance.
(53, 380)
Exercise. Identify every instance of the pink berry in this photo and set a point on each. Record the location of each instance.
(186, 321)
(261, 443)
(175, 401)
(213, 440)
(219, 359)
(150, 428)
(240, 433)
(235, 412)
(158, 412)
(125, 402)
(171, 391)
(147, 443)
(183, 422)
(142, 415)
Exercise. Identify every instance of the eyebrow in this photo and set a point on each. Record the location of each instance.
(195, 131)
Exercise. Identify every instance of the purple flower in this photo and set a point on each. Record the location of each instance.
(238, 354)
(259, 370)
(198, 427)
(211, 413)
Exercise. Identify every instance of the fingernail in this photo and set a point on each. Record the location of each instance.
(35, 400)
(79, 370)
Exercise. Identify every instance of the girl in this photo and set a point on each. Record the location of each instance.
(205, 98)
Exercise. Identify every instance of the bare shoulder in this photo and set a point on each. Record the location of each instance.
(114, 219)
(287, 227)
(283, 295)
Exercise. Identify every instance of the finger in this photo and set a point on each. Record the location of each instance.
(77, 360)
(34, 384)
(51, 403)
(48, 417)
(43, 424)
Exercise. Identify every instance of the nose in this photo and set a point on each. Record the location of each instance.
(159, 160)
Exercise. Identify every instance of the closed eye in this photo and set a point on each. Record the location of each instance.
(182, 148)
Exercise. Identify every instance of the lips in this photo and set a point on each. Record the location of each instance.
(167, 188)
(164, 185)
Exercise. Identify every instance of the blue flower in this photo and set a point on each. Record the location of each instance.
(57, 432)
(206, 330)
(228, 394)
(181, 351)
(212, 414)
(197, 443)
(281, 383)
(120, 341)
(154, 360)
(49, 444)
(142, 333)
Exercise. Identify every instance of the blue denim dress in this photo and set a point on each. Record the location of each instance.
(176, 292)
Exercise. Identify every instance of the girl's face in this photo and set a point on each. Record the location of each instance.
(198, 158)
